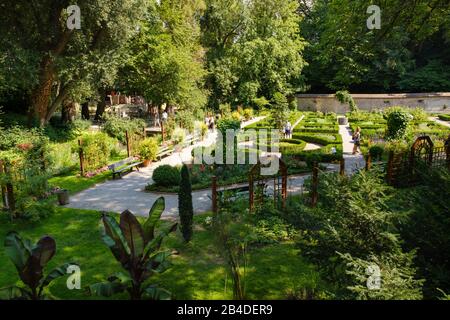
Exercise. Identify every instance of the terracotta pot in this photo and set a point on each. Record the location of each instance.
(146, 163)
(63, 197)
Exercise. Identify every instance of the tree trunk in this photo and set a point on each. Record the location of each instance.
(41, 94)
(85, 111)
(101, 105)
(68, 112)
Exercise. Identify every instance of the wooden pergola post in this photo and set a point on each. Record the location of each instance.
(127, 137)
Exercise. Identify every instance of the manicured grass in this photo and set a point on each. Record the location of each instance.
(198, 272)
(73, 182)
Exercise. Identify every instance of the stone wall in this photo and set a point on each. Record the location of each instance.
(431, 102)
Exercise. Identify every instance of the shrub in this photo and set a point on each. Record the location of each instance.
(235, 115)
(185, 120)
(346, 98)
(248, 113)
(376, 151)
(97, 149)
(166, 176)
(116, 127)
(444, 117)
(148, 149)
(261, 103)
(279, 110)
(419, 114)
(397, 124)
(178, 136)
(185, 207)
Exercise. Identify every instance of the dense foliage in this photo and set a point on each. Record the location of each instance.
(166, 176)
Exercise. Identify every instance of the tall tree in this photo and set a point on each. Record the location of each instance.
(345, 54)
(61, 58)
(165, 64)
(253, 54)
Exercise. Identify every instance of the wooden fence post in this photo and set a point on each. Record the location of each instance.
(214, 194)
(251, 195)
(163, 133)
(390, 167)
(342, 167)
(368, 161)
(80, 152)
(315, 185)
(127, 137)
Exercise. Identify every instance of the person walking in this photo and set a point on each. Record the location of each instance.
(288, 131)
(357, 141)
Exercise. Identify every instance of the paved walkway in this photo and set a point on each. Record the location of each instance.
(129, 192)
(437, 120)
(353, 163)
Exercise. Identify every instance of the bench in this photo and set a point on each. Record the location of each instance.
(192, 140)
(124, 165)
(164, 151)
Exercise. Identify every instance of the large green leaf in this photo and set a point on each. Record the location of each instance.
(158, 262)
(153, 217)
(132, 232)
(45, 250)
(41, 254)
(13, 293)
(56, 273)
(16, 250)
(155, 293)
(155, 244)
(106, 289)
(114, 239)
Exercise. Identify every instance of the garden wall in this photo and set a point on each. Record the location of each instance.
(431, 102)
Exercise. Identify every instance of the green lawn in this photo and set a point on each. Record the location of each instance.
(197, 273)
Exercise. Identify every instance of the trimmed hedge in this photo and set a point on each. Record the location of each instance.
(166, 176)
(322, 139)
(444, 117)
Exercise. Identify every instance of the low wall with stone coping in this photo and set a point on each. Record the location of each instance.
(431, 102)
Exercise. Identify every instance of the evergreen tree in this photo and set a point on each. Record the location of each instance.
(185, 208)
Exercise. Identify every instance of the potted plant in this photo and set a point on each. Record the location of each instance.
(63, 197)
(148, 150)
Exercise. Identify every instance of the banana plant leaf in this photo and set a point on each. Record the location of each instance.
(13, 293)
(107, 289)
(158, 262)
(114, 239)
(155, 293)
(153, 217)
(56, 273)
(155, 244)
(16, 250)
(133, 234)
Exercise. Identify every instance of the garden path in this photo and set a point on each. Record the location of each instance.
(437, 120)
(353, 163)
(129, 192)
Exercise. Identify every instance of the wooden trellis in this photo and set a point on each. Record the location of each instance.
(403, 168)
(280, 185)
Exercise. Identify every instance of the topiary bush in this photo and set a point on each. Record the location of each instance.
(397, 124)
(376, 152)
(166, 176)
